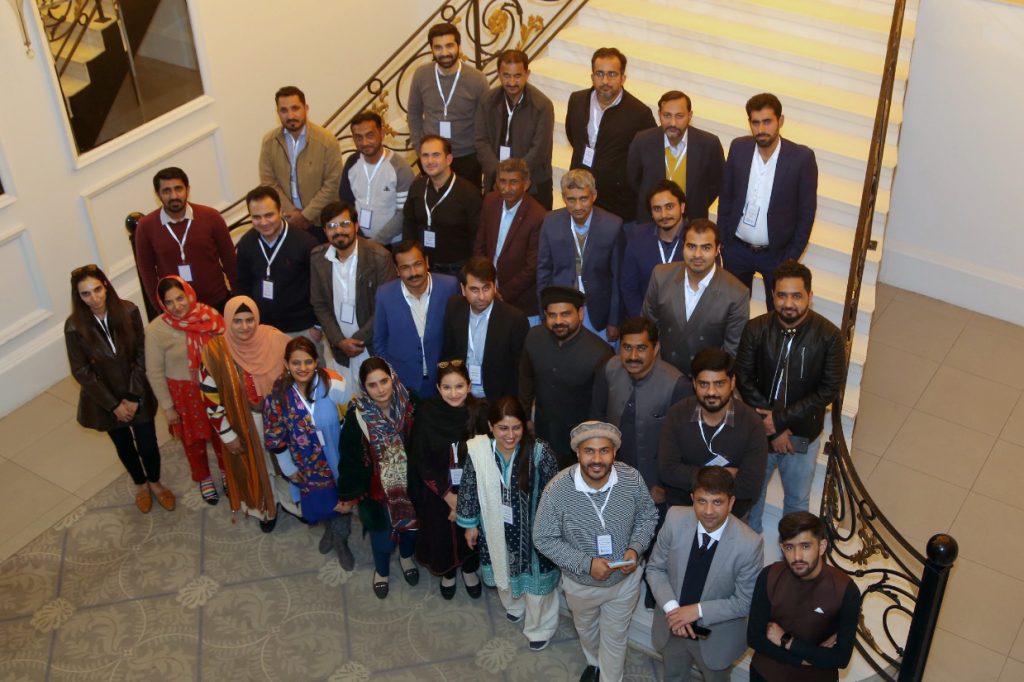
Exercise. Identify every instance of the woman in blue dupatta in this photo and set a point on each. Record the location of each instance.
(302, 423)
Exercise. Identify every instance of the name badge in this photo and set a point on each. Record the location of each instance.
(456, 476)
(445, 129)
(268, 289)
(579, 283)
(506, 513)
(320, 437)
(348, 313)
(750, 215)
(504, 152)
(604, 545)
(717, 461)
(429, 239)
(588, 157)
(475, 375)
(185, 272)
(365, 218)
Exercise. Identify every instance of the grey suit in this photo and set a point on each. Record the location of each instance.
(718, 320)
(373, 268)
(725, 601)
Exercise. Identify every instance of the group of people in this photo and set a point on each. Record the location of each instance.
(477, 376)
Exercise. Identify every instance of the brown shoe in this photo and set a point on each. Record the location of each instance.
(144, 500)
(166, 499)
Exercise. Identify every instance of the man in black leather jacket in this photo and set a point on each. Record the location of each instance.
(789, 367)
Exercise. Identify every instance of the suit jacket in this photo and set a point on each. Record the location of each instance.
(725, 600)
(506, 332)
(705, 160)
(373, 268)
(618, 126)
(794, 200)
(718, 320)
(395, 338)
(517, 264)
(602, 259)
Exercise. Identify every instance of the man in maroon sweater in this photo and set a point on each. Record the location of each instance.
(184, 239)
(804, 612)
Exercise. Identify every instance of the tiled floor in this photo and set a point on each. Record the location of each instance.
(940, 443)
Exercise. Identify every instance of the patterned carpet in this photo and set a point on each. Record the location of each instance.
(111, 594)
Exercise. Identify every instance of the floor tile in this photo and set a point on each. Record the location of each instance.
(895, 374)
(67, 389)
(864, 461)
(24, 536)
(69, 467)
(32, 421)
(922, 332)
(1013, 671)
(968, 400)
(955, 659)
(1014, 332)
(878, 421)
(1014, 429)
(982, 531)
(24, 497)
(933, 306)
(1002, 474)
(915, 503)
(941, 448)
(1017, 651)
(988, 354)
(983, 606)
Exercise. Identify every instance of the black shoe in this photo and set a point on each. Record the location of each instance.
(326, 540)
(473, 591)
(590, 674)
(539, 646)
(268, 525)
(448, 591)
(380, 589)
(412, 576)
(512, 618)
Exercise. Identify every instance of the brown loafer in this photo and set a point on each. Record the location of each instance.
(166, 499)
(144, 500)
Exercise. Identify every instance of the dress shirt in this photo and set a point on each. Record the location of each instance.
(476, 341)
(166, 219)
(418, 308)
(581, 485)
(715, 537)
(294, 148)
(596, 114)
(693, 297)
(507, 216)
(343, 282)
(677, 149)
(759, 196)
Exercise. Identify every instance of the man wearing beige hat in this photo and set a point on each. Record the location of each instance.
(595, 520)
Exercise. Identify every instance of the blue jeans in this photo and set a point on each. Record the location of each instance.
(797, 473)
(383, 542)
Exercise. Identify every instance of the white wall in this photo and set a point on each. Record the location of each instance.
(956, 225)
(61, 211)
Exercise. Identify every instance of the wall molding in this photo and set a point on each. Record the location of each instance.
(44, 307)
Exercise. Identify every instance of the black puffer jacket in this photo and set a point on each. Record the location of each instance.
(816, 364)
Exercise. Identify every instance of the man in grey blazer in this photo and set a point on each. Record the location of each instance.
(343, 278)
(702, 573)
(696, 304)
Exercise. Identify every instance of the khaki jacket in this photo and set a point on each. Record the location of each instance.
(319, 169)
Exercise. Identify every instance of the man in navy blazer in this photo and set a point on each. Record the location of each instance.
(408, 329)
(581, 246)
(698, 158)
(768, 200)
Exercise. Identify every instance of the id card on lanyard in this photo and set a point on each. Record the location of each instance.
(429, 235)
(604, 540)
(268, 284)
(184, 269)
(310, 405)
(445, 126)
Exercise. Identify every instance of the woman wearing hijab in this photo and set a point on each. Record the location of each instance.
(238, 371)
(174, 348)
(375, 470)
(302, 423)
(104, 340)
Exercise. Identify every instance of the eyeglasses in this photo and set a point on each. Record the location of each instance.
(450, 363)
(91, 267)
(343, 223)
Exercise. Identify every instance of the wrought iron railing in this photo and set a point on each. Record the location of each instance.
(65, 23)
(902, 590)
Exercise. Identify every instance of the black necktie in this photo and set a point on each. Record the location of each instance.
(705, 542)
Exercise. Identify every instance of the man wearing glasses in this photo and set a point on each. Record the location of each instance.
(600, 123)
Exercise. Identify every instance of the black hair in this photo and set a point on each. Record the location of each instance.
(794, 523)
(714, 360)
(793, 268)
(290, 91)
(639, 325)
(765, 99)
(169, 173)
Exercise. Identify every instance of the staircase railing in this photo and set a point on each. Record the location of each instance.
(65, 22)
(487, 26)
(902, 590)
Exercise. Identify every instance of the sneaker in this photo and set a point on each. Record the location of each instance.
(209, 491)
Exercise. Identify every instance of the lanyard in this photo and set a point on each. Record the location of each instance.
(672, 254)
(600, 513)
(455, 452)
(511, 111)
(679, 159)
(184, 237)
(430, 209)
(502, 470)
(707, 443)
(370, 176)
(308, 404)
(106, 332)
(455, 83)
(576, 241)
(277, 248)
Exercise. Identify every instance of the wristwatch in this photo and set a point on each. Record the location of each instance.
(786, 638)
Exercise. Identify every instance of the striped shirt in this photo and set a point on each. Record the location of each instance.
(381, 189)
(567, 525)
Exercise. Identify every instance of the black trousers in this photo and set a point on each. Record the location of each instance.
(742, 263)
(137, 449)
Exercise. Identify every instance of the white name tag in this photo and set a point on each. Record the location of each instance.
(579, 283)
(185, 272)
(475, 375)
(365, 218)
(588, 157)
(504, 152)
(456, 476)
(348, 313)
(717, 461)
(750, 215)
(429, 239)
(268, 289)
(506, 513)
(445, 129)
(604, 545)
(320, 437)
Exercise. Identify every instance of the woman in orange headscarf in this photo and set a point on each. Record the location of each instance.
(174, 347)
(237, 372)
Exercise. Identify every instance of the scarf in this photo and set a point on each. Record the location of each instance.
(385, 432)
(200, 323)
(262, 356)
(488, 491)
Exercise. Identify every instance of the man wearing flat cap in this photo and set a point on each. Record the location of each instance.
(595, 520)
(557, 371)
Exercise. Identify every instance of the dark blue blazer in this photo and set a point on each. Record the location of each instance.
(638, 262)
(794, 196)
(602, 260)
(395, 338)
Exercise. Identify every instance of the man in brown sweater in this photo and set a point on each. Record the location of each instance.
(803, 616)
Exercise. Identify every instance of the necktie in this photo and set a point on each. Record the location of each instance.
(705, 542)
